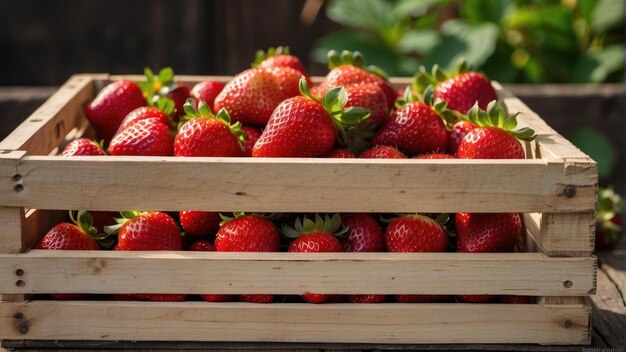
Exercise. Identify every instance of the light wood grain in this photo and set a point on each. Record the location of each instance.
(381, 323)
(296, 185)
(37, 223)
(47, 126)
(296, 273)
(609, 311)
(11, 229)
(563, 234)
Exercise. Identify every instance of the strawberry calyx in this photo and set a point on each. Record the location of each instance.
(84, 221)
(496, 116)
(236, 215)
(353, 58)
(127, 215)
(328, 224)
(157, 85)
(609, 207)
(439, 106)
(423, 78)
(261, 55)
(204, 111)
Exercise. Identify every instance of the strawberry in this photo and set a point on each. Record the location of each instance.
(206, 91)
(422, 298)
(288, 79)
(76, 236)
(483, 232)
(248, 233)
(347, 69)
(364, 234)
(461, 88)
(382, 152)
(206, 246)
(156, 87)
(111, 105)
(435, 156)
(494, 137)
(148, 137)
(314, 237)
(199, 223)
(205, 134)
(252, 135)
(371, 97)
(457, 133)
(101, 219)
(162, 111)
(251, 96)
(150, 231)
(279, 57)
(478, 298)
(511, 299)
(416, 127)
(339, 153)
(366, 298)
(304, 127)
(81, 147)
(179, 96)
(609, 222)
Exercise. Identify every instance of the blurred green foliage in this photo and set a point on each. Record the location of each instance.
(521, 41)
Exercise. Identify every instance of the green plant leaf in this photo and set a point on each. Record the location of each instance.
(368, 14)
(606, 15)
(166, 76)
(596, 66)
(597, 146)
(493, 11)
(413, 8)
(334, 100)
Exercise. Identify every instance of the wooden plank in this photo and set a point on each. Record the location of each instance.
(343, 323)
(297, 185)
(47, 126)
(613, 263)
(295, 273)
(37, 223)
(609, 312)
(11, 229)
(563, 234)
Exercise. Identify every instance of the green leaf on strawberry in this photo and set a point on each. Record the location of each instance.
(496, 116)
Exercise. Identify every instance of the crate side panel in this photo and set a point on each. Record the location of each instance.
(341, 323)
(563, 234)
(295, 273)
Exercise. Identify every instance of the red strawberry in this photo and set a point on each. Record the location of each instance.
(250, 97)
(303, 126)
(249, 233)
(609, 222)
(478, 298)
(148, 137)
(483, 232)
(279, 57)
(81, 147)
(494, 137)
(179, 95)
(511, 299)
(461, 88)
(382, 152)
(143, 113)
(151, 231)
(364, 234)
(346, 69)
(205, 134)
(314, 237)
(370, 97)
(422, 298)
(206, 91)
(416, 127)
(288, 79)
(199, 223)
(66, 236)
(111, 105)
(102, 219)
(457, 133)
(366, 298)
(206, 246)
(252, 135)
(435, 156)
(340, 153)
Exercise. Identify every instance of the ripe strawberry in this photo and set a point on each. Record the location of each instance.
(156, 87)
(340, 153)
(288, 79)
(252, 135)
(249, 233)
(151, 231)
(494, 137)
(457, 133)
(199, 223)
(478, 298)
(66, 236)
(205, 134)
(314, 237)
(81, 147)
(382, 152)
(511, 299)
(364, 234)
(206, 246)
(435, 156)
(609, 222)
(347, 69)
(461, 88)
(483, 232)
(179, 96)
(422, 298)
(206, 91)
(101, 219)
(366, 298)
(148, 137)
(303, 126)
(162, 112)
(279, 57)
(250, 97)
(371, 97)
(111, 105)
(416, 127)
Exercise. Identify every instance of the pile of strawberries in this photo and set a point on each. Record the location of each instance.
(273, 110)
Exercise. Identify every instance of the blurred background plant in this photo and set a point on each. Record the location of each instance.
(513, 41)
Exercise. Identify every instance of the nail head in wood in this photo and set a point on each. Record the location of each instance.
(4, 151)
(568, 324)
(19, 272)
(568, 284)
(569, 191)
(18, 188)
(17, 178)
(19, 316)
(23, 328)
(20, 283)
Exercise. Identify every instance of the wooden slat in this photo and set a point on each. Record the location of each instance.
(11, 230)
(609, 311)
(296, 273)
(563, 234)
(37, 223)
(382, 323)
(47, 126)
(296, 185)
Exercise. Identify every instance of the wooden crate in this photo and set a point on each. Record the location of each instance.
(555, 188)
